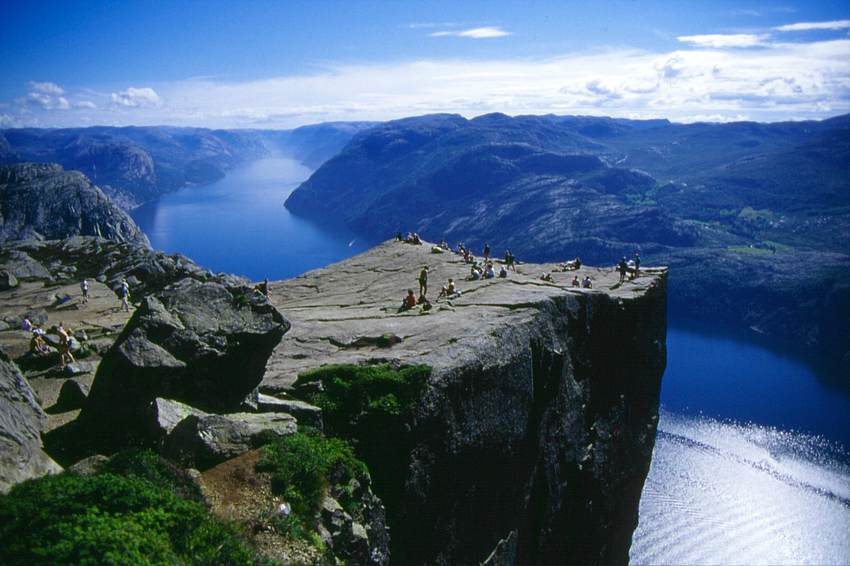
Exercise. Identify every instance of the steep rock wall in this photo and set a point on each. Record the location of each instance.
(535, 435)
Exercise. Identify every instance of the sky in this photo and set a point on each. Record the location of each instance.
(288, 63)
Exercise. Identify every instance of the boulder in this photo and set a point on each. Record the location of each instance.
(72, 396)
(203, 440)
(21, 425)
(304, 412)
(199, 343)
(7, 280)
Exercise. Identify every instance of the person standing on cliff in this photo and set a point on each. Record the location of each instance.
(637, 266)
(622, 267)
(486, 251)
(84, 288)
(423, 281)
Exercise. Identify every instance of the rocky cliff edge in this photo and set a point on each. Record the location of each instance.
(534, 438)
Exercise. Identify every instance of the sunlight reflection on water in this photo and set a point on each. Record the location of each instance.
(723, 493)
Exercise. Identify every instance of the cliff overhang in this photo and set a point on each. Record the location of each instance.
(535, 434)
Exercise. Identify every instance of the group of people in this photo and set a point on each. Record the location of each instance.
(632, 265)
(585, 284)
(39, 346)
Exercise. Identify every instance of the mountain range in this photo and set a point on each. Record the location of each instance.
(754, 219)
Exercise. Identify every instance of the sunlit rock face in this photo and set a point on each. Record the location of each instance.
(535, 434)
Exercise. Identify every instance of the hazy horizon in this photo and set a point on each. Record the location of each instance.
(262, 64)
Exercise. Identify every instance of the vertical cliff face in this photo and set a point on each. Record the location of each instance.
(533, 440)
(545, 443)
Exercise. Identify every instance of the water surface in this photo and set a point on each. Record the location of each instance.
(239, 224)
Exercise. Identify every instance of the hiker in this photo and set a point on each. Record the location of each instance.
(65, 351)
(423, 281)
(408, 302)
(637, 266)
(510, 260)
(125, 295)
(443, 244)
(587, 284)
(622, 267)
(84, 288)
(263, 288)
(575, 282)
(486, 251)
(63, 335)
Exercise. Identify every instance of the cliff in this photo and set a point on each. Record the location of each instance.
(535, 434)
(529, 444)
(42, 201)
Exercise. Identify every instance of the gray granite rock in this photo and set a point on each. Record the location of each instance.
(21, 425)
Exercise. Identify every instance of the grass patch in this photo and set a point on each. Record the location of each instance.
(137, 510)
(346, 393)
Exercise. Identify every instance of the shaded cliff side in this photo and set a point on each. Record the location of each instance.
(42, 201)
(535, 434)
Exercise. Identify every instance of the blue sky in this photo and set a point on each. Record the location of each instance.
(283, 64)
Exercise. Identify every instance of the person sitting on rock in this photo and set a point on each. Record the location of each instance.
(263, 288)
(408, 302)
(488, 271)
(449, 289)
(547, 277)
(27, 326)
(474, 273)
(503, 273)
(37, 344)
(575, 282)
(587, 284)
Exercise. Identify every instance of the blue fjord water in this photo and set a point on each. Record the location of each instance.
(751, 462)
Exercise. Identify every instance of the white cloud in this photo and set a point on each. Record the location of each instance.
(780, 81)
(44, 95)
(724, 41)
(475, 33)
(136, 98)
(836, 25)
(50, 89)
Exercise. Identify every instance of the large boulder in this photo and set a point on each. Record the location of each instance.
(199, 343)
(21, 425)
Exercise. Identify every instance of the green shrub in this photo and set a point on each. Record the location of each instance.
(350, 391)
(301, 465)
(111, 519)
